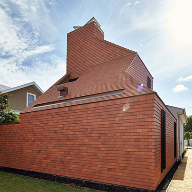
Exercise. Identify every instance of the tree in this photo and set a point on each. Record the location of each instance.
(188, 136)
(188, 126)
(6, 115)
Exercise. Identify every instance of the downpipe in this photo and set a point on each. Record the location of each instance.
(180, 143)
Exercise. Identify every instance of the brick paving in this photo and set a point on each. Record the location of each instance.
(182, 180)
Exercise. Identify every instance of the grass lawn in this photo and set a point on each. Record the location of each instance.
(16, 183)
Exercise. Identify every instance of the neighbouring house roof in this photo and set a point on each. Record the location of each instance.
(24, 85)
(103, 81)
(3, 87)
(176, 111)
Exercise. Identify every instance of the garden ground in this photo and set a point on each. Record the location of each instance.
(182, 180)
(16, 183)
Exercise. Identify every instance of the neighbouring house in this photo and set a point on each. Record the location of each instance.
(180, 115)
(22, 96)
(100, 122)
(186, 144)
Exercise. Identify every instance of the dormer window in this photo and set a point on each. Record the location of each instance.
(63, 91)
(148, 82)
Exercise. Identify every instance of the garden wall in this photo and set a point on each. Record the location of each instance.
(96, 141)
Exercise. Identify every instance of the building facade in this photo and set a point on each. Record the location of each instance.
(101, 121)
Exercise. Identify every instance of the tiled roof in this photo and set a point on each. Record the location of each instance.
(106, 77)
(100, 67)
(4, 87)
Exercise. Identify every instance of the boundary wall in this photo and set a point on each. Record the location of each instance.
(96, 141)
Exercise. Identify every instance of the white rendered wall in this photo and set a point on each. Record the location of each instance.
(180, 138)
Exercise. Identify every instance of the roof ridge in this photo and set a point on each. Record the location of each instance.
(79, 27)
(110, 60)
(4, 87)
(23, 86)
(120, 47)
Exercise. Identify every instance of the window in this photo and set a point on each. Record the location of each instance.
(148, 82)
(163, 141)
(30, 98)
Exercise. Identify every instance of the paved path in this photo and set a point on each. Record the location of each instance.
(182, 180)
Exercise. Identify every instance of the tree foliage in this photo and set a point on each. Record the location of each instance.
(6, 115)
(188, 126)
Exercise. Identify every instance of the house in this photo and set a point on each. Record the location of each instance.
(100, 122)
(22, 96)
(180, 115)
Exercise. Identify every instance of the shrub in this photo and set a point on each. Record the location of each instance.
(6, 115)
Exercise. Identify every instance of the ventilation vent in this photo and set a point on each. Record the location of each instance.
(77, 27)
(63, 91)
(93, 20)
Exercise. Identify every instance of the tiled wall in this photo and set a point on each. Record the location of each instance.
(96, 141)
(138, 70)
(86, 47)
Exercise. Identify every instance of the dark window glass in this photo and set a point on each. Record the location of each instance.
(31, 98)
(163, 141)
(148, 82)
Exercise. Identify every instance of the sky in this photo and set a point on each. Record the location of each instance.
(33, 40)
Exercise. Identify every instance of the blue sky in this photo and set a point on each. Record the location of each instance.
(33, 40)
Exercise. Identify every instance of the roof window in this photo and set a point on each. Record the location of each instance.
(63, 91)
(72, 80)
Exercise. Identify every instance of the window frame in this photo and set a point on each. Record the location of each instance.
(163, 140)
(27, 98)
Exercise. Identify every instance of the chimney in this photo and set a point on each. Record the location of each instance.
(81, 46)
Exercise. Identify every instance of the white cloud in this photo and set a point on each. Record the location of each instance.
(136, 2)
(179, 87)
(44, 72)
(10, 41)
(128, 4)
(141, 45)
(38, 50)
(181, 79)
(23, 55)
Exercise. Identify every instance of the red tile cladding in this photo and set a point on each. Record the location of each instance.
(86, 47)
(138, 70)
(100, 65)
